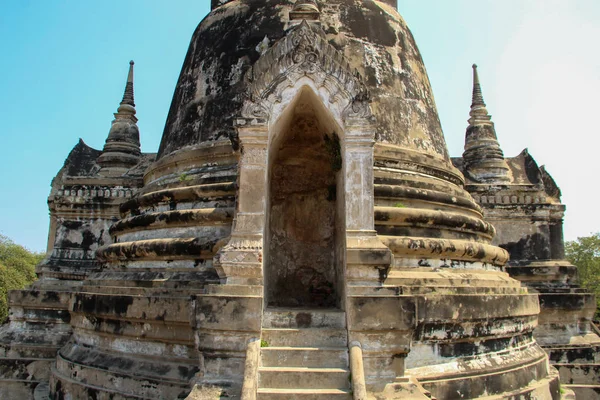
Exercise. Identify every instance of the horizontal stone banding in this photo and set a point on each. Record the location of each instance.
(193, 169)
(429, 290)
(417, 182)
(429, 232)
(126, 329)
(167, 279)
(503, 328)
(138, 347)
(208, 150)
(445, 249)
(512, 359)
(426, 277)
(404, 158)
(179, 194)
(133, 307)
(451, 349)
(143, 291)
(399, 216)
(472, 384)
(164, 249)
(82, 389)
(403, 192)
(438, 308)
(192, 174)
(40, 316)
(420, 168)
(98, 378)
(143, 365)
(567, 301)
(56, 300)
(196, 217)
(12, 369)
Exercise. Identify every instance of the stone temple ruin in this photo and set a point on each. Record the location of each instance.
(302, 233)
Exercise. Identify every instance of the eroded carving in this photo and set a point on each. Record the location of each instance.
(304, 52)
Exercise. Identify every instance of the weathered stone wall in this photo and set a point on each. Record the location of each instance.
(370, 34)
(137, 308)
(83, 205)
(523, 203)
(467, 311)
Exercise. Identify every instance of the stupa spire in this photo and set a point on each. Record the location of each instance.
(128, 95)
(477, 92)
(479, 112)
(483, 158)
(122, 148)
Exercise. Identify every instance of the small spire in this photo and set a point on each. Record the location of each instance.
(479, 112)
(122, 148)
(477, 93)
(128, 95)
(483, 158)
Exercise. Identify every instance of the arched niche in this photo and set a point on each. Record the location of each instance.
(305, 219)
(302, 69)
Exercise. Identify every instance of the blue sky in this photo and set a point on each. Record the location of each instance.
(64, 64)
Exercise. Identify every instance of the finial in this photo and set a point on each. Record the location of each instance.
(479, 112)
(305, 10)
(477, 93)
(128, 95)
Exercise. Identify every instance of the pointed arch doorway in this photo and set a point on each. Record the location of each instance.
(304, 229)
(302, 79)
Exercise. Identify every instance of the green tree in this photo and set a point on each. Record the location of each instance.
(17, 270)
(585, 254)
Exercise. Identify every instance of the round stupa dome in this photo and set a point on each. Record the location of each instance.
(371, 35)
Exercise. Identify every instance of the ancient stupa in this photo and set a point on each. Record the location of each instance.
(302, 233)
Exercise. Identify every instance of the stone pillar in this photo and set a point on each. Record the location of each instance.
(363, 249)
(240, 261)
(358, 152)
(367, 261)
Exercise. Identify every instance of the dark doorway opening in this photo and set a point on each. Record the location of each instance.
(302, 260)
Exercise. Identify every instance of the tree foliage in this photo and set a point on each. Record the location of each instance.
(17, 270)
(585, 254)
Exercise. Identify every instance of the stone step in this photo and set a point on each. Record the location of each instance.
(23, 369)
(34, 351)
(159, 284)
(239, 290)
(304, 394)
(303, 378)
(304, 318)
(324, 357)
(577, 392)
(308, 337)
(450, 279)
(139, 291)
(578, 373)
(388, 290)
(184, 292)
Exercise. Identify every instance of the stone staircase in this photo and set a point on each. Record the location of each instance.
(304, 355)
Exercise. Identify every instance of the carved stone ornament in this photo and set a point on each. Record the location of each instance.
(359, 107)
(304, 52)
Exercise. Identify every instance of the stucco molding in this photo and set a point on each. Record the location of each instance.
(304, 52)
